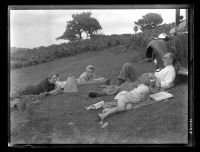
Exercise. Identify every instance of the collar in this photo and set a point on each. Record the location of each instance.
(157, 70)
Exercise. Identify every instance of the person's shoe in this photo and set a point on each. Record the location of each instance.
(119, 82)
(92, 94)
(99, 118)
(107, 82)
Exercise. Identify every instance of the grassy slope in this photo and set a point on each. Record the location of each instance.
(164, 122)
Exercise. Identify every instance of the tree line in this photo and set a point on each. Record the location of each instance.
(85, 24)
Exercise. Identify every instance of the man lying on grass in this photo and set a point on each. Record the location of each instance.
(164, 78)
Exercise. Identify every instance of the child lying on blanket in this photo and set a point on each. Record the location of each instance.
(126, 100)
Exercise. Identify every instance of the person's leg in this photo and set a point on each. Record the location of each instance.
(121, 106)
(97, 93)
(109, 112)
(129, 106)
(127, 71)
(27, 91)
(108, 90)
(110, 104)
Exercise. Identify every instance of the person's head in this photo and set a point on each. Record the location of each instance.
(169, 59)
(52, 78)
(153, 88)
(90, 70)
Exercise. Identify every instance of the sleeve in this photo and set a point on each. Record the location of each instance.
(169, 79)
(82, 78)
(93, 76)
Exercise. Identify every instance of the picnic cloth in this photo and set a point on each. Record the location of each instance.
(71, 85)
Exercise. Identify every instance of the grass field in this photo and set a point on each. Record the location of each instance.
(49, 121)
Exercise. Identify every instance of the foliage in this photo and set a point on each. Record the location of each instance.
(142, 39)
(81, 23)
(149, 21)
(26, 57)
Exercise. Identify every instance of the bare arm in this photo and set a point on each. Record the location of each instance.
(53, 92)
(56, 91)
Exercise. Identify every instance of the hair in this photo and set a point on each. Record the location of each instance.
(147, 82)
(173, 57)
(90, 67)
(174, 61)
(52, 74)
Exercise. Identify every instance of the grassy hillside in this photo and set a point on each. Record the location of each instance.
(51, 120)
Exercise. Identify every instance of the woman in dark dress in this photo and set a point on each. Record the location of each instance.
(47, 86)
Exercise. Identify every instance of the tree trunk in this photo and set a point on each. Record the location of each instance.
(80, 36)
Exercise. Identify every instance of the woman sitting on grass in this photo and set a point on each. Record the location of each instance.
(89, 77)
(126, 100)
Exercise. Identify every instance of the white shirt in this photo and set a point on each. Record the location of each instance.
(166, 75)
(60, 84)
(83, 77)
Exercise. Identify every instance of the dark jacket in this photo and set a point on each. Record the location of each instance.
(43, 86)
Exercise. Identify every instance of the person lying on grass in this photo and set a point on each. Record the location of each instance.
(126, 100)
(89, 77)
(33, 94)
(164, 78)
(49, 86)
(45, 87)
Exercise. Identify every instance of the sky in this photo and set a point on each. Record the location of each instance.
(35, 28)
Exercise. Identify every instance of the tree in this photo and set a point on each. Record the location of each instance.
(135, 29)
(81, 23)
(149, 21)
